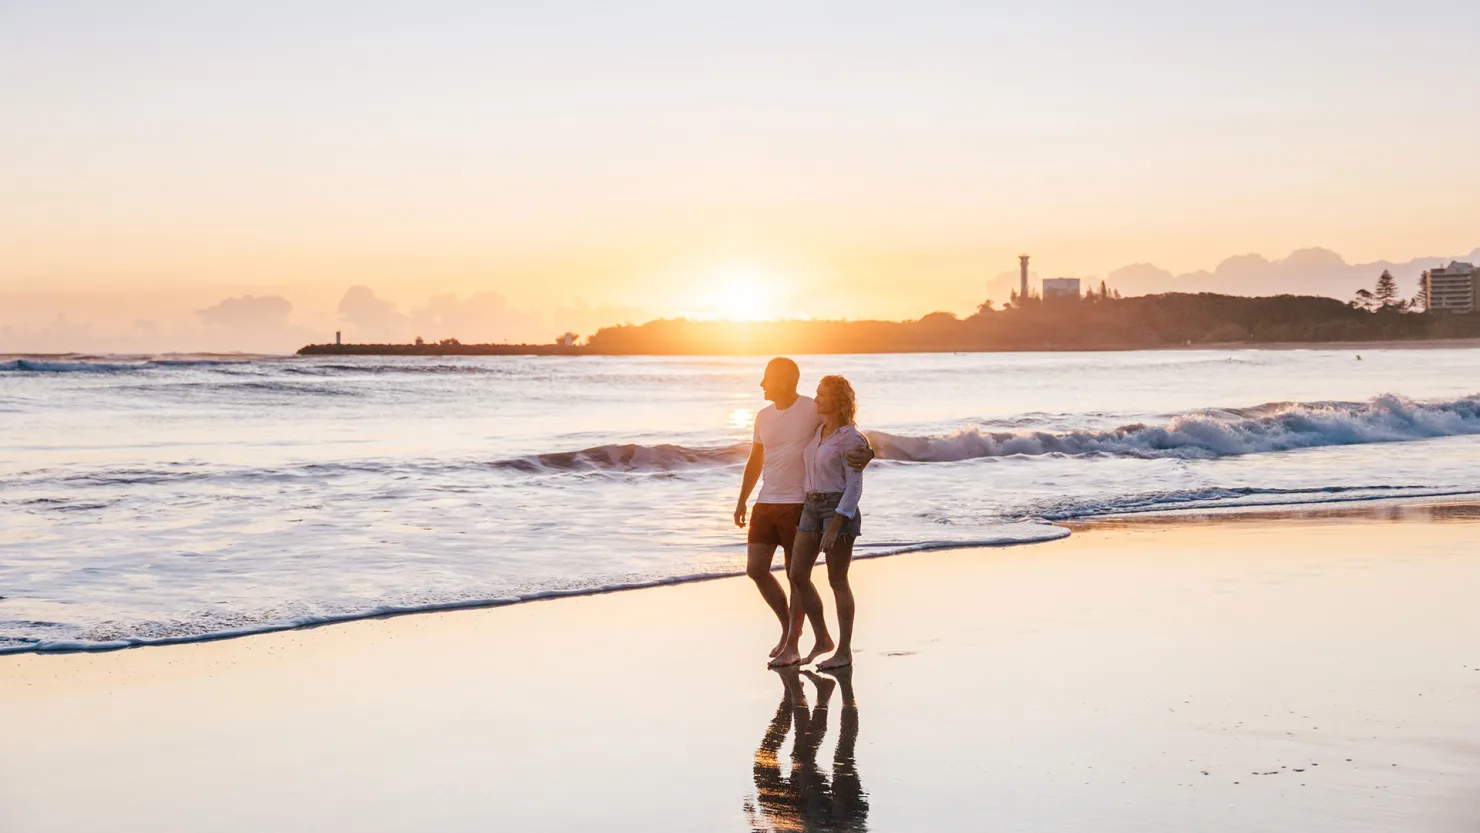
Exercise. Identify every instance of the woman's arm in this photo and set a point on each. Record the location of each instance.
(852, 490)
(861, 456)
(830, 535)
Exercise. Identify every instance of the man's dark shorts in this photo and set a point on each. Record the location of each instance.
(774, 524)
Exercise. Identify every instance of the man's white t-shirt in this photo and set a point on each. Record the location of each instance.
(785, 435)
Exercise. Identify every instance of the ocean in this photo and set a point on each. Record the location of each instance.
(179, 498)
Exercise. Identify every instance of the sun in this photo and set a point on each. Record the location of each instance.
(743, 301)
(741, 294)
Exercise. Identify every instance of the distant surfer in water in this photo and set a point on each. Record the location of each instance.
(783, 430)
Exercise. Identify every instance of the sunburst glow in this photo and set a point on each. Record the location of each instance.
(741, 294)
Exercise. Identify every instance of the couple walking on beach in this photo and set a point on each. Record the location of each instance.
(809, 458)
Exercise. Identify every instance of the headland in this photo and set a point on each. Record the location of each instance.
(1174, 320)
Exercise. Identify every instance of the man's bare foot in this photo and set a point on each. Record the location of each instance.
(776, 651)
(823, 645)
(789, 656)
(841, 659)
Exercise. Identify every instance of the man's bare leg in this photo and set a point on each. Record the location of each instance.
(758, 559)
(797, 617)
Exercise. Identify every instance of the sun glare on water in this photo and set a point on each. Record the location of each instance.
(742, 419)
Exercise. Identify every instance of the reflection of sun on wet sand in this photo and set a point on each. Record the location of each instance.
(805, 799)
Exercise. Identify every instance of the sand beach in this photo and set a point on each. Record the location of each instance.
(1314, 671)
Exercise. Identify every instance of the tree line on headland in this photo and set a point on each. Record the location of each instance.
(1092, 322)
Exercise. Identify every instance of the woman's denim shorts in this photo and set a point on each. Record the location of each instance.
(818, 512)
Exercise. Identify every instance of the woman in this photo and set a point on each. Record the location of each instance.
(830, 523)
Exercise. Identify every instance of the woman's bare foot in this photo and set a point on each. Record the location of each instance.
(838, 660)
(780, 646)
(823, 645)
(789, 656)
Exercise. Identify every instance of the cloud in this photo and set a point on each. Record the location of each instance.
(1140, 279)
(248, 315)
(482, 318)
(45, 319)
(1313, 271)
(58, 335)
(373, 319)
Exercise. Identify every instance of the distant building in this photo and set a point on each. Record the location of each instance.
(1060, 288)
(1452, 288)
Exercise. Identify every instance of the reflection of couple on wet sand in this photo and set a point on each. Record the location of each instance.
(804, 799)
(812, 457)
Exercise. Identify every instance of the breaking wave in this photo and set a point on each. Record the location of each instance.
(626, 457)
(40, 366)
(1207, 434)
(1279, 426)
(255, 365)
(115, 364)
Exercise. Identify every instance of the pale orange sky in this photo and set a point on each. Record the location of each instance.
(859, 160)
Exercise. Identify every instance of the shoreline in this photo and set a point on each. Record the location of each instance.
(63, 647)
(1384, 508)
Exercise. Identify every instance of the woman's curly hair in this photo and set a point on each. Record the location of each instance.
(842, 392)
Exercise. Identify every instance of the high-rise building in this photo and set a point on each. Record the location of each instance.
(1452, 288)
(1023, 266)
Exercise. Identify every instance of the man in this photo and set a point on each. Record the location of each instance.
(782, 431)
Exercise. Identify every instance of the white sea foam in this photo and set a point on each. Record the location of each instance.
(1241, 498)
(44, 366)
(1026, 532)
(1212, 433)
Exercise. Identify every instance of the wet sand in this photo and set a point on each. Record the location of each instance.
(1315, 672)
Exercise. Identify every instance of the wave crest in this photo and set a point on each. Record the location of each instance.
(626, 457)
(1279, 426)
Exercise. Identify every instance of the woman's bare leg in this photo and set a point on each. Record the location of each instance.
(838, 559)
(804, 593)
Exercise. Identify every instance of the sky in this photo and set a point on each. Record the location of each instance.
(204, 175)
